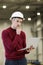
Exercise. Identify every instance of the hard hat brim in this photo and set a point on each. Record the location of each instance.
(17, 17)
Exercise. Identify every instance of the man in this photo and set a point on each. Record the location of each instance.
(14, 39)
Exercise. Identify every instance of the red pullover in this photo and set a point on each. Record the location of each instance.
(14, 42)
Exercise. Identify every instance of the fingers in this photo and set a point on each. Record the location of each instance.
(31, 47)
(18, 30)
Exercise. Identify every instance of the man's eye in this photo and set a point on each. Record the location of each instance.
(17, 21)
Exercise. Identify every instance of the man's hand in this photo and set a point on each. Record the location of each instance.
(28, 50)
(31, 48)
(18, 30)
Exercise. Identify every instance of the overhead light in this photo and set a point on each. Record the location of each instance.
(38, 13)
(4, 6)
(38, 0)
(27, 7)
(29, 19)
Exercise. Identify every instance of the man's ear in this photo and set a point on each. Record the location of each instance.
(12, 21)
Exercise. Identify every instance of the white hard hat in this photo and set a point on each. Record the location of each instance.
(17, 14)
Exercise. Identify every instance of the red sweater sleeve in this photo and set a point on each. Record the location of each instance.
(8, 43)
(24, 43)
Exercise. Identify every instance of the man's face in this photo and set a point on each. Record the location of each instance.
(16, 22)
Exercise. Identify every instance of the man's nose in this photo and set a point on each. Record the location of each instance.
(19, 23)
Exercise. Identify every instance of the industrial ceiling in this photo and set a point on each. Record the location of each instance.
(20, 5)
